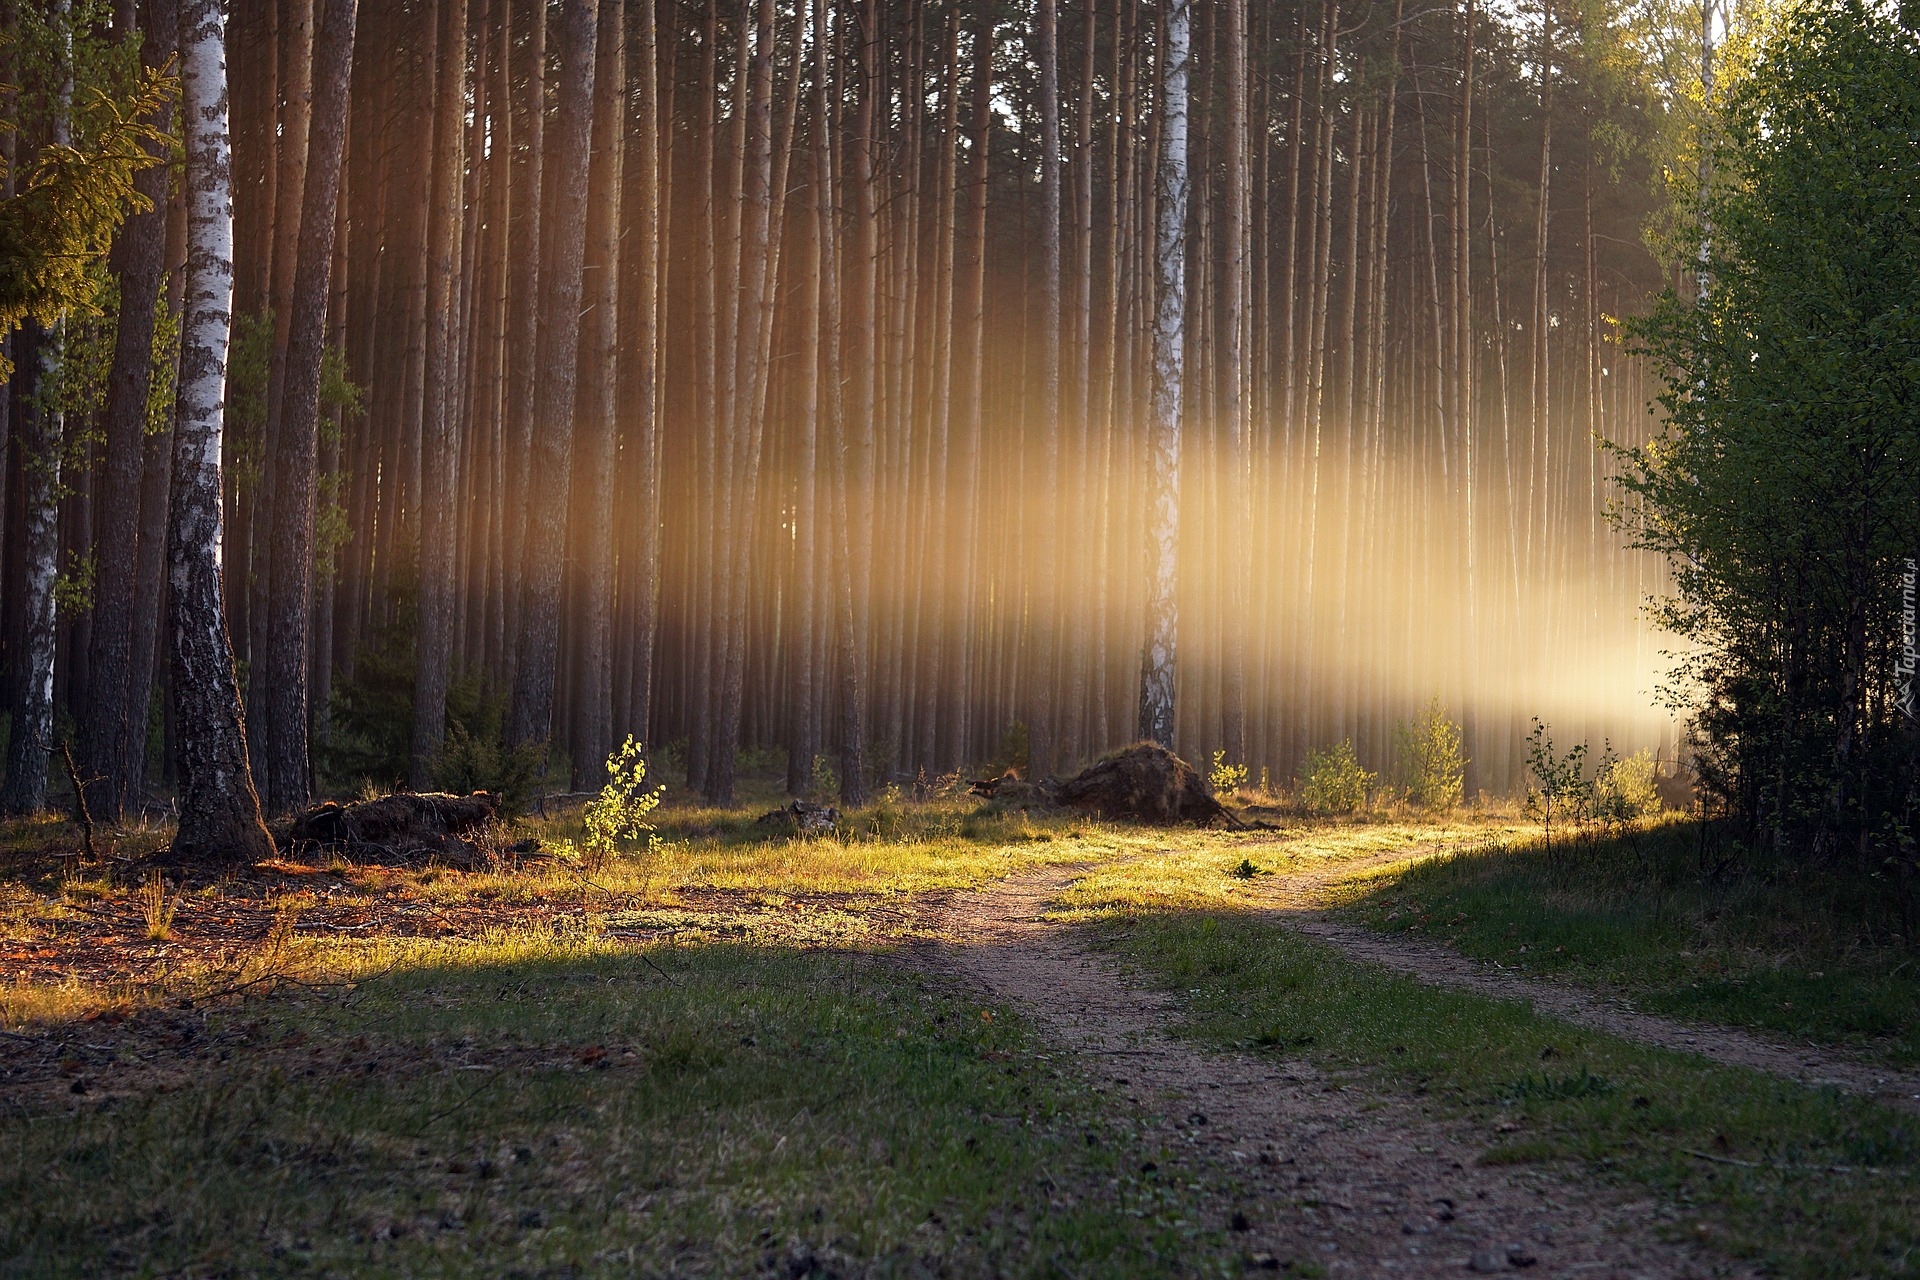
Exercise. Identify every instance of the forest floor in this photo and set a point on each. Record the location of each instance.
(949, 1041)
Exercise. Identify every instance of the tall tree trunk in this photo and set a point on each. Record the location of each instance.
(110, 720)
(524, 292)
(439, 454)
(597, 433)
(41, 441)
(970, 320)
(219, 811)
(284, 699)
(146, 660)
(294, 26)
(1236, 563)
(1157, 668)
(640, 586)
(1049, 635)
(42, 445)
(1540, 441)
(530, 716)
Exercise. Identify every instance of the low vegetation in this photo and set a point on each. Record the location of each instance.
(555, 1101)
(1685, 920)
(1813, 1183)
(422, 1065)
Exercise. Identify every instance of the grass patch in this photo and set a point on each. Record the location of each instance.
(543, 1104)
(1557, 1092)
(1685, 924)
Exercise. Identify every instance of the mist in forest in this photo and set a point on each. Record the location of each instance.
(911, 385)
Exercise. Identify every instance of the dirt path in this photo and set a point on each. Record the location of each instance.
(1299, 900)
(1363, 1183)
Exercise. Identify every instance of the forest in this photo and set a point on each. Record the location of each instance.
(869, 638)
(783, 377)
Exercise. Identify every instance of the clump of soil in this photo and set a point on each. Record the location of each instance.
(1143, 783)
(396, 830)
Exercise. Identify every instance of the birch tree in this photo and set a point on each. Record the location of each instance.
(219, 810)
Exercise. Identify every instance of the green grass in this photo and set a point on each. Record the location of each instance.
(1689, 928)
(562, 1106)
(1620, 1111)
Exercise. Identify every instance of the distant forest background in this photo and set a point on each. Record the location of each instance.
(765, 375)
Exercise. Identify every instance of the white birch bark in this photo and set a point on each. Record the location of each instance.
(219, 810)
(1169, 345)
(41, 443)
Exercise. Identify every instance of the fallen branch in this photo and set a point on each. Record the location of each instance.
(1781, 1168)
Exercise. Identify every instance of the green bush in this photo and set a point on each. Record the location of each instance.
(1334, 782)
(1625, 789)
(371, 719)
(1224, 778)
(1429, 768)
(618, 815)
(825, 783)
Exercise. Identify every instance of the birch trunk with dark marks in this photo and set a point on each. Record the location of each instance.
(284, 699)
(41, 434)
(1157, 664)
(219, 811)
(439, 484)
(530, 715)
(42, 442)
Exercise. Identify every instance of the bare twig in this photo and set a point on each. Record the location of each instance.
(1781, 1168)
(80, 813)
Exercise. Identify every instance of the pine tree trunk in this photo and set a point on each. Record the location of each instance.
(439, 492)
(283, 700)
(219, 811)
(524, 292)
(970, 321)
(640, 569)
(597, 442)
(294, 26)
(1157, 671)
(530, 715)
(1048, 635)
(1540, 442)
(1236, 560)
(110, 720)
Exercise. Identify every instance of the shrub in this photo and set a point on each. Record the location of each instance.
(370, 717)
(1224, 778)
(1625, 789)
(823, 781)
(480, 760)
(619, 813)
(1429, 768)
(1334, 782)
